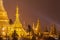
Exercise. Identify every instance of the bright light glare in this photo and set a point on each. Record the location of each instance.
(3, 29)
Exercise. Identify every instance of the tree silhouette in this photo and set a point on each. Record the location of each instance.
(10, 21)
(15, 35)
(29, 28)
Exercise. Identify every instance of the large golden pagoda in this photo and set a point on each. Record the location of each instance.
(3, 14)
(4, 21)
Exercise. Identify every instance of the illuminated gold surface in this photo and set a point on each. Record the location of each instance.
(18, 25)
(6, 28)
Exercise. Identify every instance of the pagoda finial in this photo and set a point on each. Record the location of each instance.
(17, 13)
(1, 6)
(0, 1)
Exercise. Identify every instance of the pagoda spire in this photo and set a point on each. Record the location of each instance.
(38, 27)
(3, 14)
(1, 6)
(4, 21)
(17, 13)
(53, 30)
(17, 21)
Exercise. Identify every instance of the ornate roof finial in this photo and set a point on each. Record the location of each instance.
(1, 6)
(17, 11)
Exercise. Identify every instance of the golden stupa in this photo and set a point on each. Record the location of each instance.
(18, 25)
(4, 21)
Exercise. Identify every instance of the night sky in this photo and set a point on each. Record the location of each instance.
(48, 11)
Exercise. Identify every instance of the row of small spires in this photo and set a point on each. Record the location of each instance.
(38, 26)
